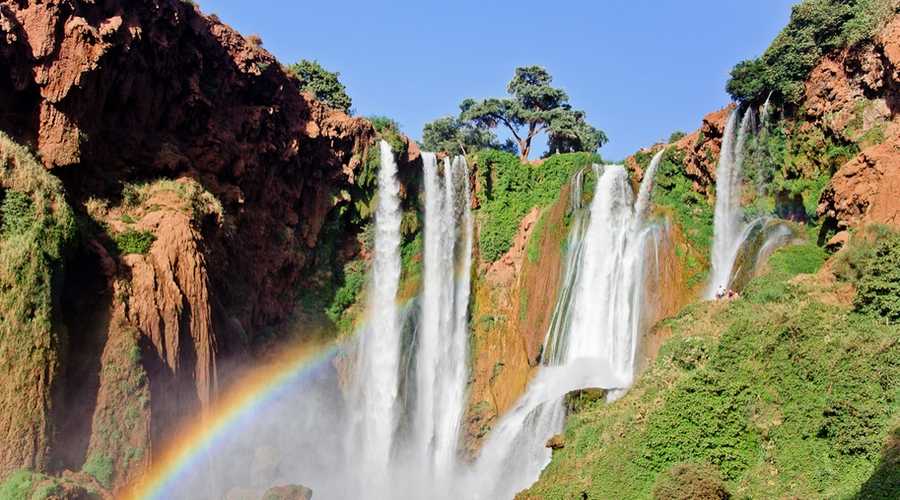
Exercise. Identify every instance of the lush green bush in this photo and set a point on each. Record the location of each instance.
(816, 28)
(690, 482)
(131, 241)
(101, 467)
(352, 281)
(509, 189)
(871, 261)
(16, 213)
(323, 84)
(16, 486)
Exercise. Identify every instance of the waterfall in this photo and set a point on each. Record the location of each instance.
(377, 382)
(443, 335)
(642, 205)
(594, 346)
(729, 229)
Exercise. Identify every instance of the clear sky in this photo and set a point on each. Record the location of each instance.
(640, 68)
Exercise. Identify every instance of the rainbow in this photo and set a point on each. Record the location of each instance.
(250, 395)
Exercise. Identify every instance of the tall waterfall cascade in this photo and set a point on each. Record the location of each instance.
(441, 371)
(729, 227)
(593, 339)
(378, 363)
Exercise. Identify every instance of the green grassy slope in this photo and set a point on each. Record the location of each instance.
(784, 392)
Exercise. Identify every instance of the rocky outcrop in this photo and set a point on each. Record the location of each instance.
(290, 492)
(699, 150)
(115, 94)
(856, 94)
(866, 189)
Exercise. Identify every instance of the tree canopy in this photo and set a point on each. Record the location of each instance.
(323, 84)
(451, 134)
(533, 106)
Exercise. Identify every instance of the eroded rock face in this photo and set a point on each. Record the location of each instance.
(699, 150)
(856, 93)
(116, 92)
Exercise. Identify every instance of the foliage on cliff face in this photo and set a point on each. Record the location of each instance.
(871, 261)
(37, 225)
(752, 388)
(508, 189)
(323, 84)
(816, 28)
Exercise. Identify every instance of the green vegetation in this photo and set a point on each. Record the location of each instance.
(36, 230)
(675, 191)
(872, 262)
(134, 242)
(16, 486)
(101, 467)
(690, 482)
(750, 390)
(791, 162)
(509, 189)
(533, 250)
(199, 202)
(534, 107)
(351, 284)
(456, 136)
(323, 84)
(816, 28)
(28, 485)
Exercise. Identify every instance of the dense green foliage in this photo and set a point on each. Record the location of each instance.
(535, 106)
(508, 189)
(132, 241)
(871, 261)
(752, 388)
(323, 84)
(456, 136)
(816, 28)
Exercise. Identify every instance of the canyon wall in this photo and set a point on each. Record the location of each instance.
(201, 179)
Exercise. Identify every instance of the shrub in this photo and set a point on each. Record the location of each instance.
(354, 278)
(689, 481)
(16, 213)
(687, 353)
(131, 241)
(323, 84)
(16, 486)
(878, 288)
(101, 467)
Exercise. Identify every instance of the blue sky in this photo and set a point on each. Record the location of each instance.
(640, 68)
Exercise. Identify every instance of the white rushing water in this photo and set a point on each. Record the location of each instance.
(443, 332)
(729, 227)
(378, 361)
(595, 347)
(396, 434)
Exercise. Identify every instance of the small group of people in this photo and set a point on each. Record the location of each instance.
(723, 293)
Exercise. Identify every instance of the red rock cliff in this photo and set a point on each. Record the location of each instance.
(116, 91)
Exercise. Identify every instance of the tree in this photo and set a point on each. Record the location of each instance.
(321, 83)
(570, 133)
(535, 107)
(452, 134)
